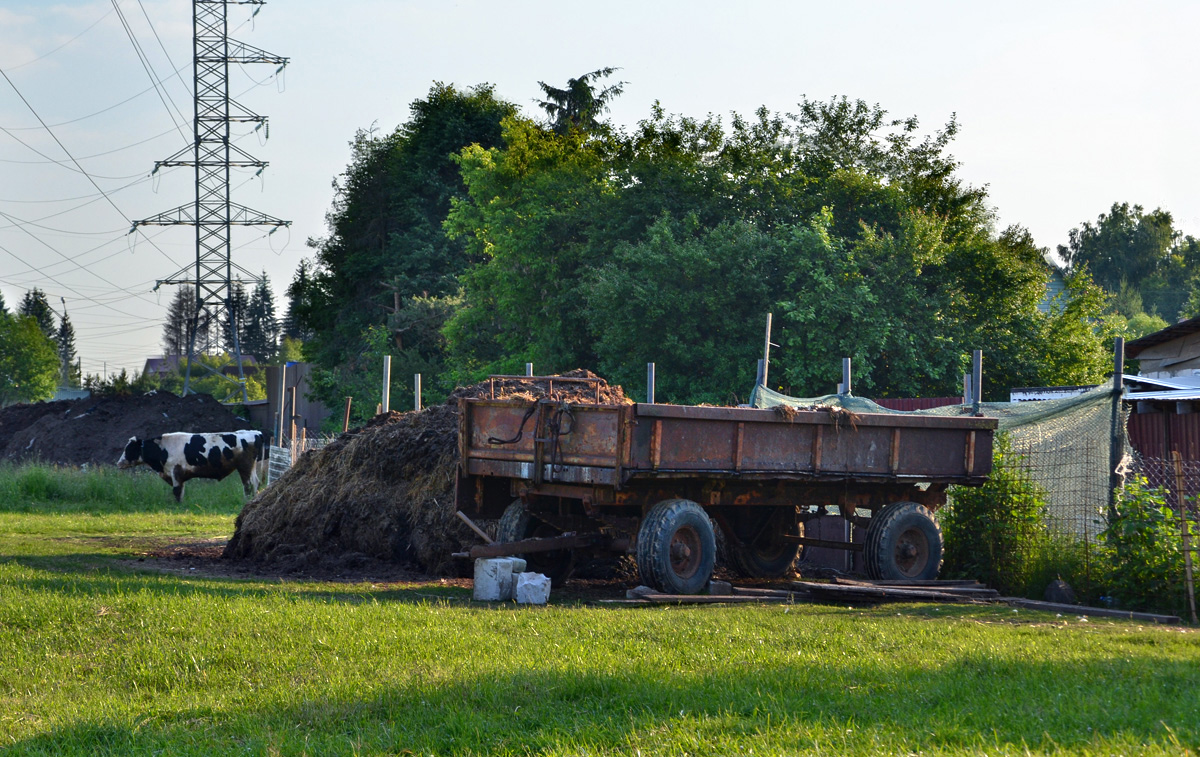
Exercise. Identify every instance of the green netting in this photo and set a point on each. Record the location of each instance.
(1065, 445)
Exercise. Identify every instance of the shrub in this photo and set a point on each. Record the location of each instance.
(1145, 551)
(997, 533)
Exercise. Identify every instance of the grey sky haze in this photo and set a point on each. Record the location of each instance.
(1064, 109)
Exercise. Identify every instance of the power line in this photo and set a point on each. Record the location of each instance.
(93, 155)
(68, 154)
(72, 39)
(163, 95)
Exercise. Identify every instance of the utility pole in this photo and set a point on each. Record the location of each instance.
(213, 156)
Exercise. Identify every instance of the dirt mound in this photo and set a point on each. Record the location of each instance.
(384, 491)
(94, 430)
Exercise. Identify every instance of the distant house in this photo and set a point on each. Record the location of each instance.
(1055, 286)
(249, 366)
(161, 366)
(1172, 354)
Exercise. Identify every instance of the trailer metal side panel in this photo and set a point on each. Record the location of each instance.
(612, 444)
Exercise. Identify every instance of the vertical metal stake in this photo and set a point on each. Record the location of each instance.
(387, 384)
(1117, 438)
(766, 363)
(416, 391)
(976, 380)
(650, 383)
(529, 369)
(846, 377)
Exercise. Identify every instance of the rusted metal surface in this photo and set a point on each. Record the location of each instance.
(620, 445)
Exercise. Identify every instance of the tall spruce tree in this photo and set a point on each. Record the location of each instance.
(235, 316)
(3, 306)
(36, 305)
(66, 351)
(261, 328)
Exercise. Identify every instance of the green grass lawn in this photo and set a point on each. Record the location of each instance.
(97, 657)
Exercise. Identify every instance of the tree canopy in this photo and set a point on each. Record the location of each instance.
(474, 239)
(29, 366)
(1139, 258)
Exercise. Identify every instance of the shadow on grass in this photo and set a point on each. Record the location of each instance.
(969, 705)
(99, 575)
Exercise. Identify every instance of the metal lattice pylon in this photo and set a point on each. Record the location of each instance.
(213, 156)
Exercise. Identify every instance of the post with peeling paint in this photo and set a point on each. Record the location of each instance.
(387, 384)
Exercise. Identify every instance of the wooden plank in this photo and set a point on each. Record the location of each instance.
(877, 593)
(912, 582)
(751, 591)
(708, 599)
(1099, 612)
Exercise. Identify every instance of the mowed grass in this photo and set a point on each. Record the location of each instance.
(97, 657)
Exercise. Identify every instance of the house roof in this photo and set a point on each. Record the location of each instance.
(1175, 331)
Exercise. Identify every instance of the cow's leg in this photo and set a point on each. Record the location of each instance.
(249, 484)
(177, 484)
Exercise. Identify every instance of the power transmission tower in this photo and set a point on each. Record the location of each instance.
(213, 156)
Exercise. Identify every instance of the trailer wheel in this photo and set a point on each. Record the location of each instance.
(903, 541)
(516, 524)
(769, 555)
(676, 548)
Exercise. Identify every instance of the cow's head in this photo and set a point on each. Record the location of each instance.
(132, 454)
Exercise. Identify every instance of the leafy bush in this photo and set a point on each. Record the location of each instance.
(997, 533)
(1144, 548)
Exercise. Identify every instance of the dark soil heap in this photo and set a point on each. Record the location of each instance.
(384, 491)
(94, 430)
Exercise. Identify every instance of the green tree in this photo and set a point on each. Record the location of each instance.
(65, 341)
(29, 366)
(385, 242)
(584, 238)
(3, 306)
(1137, 250)
(579, 104)
(299, 293)
(261, 329)
(36, 306)
(690, 300)
(234, 317)
(528, 216)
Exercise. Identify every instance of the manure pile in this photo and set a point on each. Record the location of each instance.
(94, 430)
(384, 491)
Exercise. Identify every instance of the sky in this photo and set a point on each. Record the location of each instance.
(1064, 108)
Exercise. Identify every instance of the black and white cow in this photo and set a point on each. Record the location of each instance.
(181, 456)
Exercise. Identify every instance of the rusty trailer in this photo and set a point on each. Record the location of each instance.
(652, 480)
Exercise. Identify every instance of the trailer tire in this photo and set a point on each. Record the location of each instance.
(768, 556)
(518, 523)
(904, 541)
(676, 547)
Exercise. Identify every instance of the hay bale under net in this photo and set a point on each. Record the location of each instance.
(386, 490)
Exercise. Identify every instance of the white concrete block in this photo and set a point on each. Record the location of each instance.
(532, 589)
